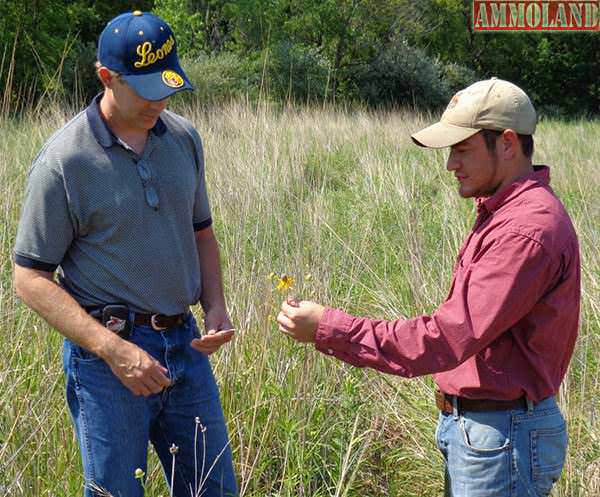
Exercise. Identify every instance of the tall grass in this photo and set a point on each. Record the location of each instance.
(363, 220)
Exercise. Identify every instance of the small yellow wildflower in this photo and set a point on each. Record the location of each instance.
(308, 276)
(139, 473)
(285, 283)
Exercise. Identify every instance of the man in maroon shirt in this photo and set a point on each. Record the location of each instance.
(500, 344)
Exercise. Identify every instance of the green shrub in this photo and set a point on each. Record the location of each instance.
(299, 72)
(186, 23)
(457, 77)
(402, 74)
(223, 77)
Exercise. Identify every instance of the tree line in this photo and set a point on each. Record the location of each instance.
(379, 52)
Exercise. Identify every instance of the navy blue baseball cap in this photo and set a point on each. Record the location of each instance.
(141, 47)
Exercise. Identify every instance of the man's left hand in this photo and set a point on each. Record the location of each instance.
(299, 319)
(219, 331)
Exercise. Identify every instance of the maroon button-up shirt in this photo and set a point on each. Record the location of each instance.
(509, 324)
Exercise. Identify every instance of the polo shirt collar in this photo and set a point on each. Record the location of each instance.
(101, 130)
(539, 177)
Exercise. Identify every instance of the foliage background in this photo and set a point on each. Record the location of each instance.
(382, 52)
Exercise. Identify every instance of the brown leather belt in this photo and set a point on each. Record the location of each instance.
(159, 322)
(445, 403)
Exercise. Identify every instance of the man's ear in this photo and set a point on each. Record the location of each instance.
(509, 144)
(105, 76)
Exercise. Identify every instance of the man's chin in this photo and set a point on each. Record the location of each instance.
(465, 193)
(148, 122)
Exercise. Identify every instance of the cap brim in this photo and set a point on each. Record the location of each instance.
(441, 135)
(154, 86)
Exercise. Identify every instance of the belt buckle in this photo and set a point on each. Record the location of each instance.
(154, 325)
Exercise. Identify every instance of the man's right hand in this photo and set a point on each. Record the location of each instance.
(137, 370)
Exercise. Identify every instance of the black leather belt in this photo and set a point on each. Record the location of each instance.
(445, 403)
(159, 322)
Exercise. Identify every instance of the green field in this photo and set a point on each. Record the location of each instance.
(362, 219)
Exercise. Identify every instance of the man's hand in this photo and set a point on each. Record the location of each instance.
(137, 370)
(299, 319)
(219, 331)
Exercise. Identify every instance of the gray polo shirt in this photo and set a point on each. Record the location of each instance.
(86, 211)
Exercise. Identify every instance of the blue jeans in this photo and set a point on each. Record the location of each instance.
(517, 453)
(114, 426)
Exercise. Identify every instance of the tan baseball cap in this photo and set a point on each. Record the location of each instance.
(491, 104)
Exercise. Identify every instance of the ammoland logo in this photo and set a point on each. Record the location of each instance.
(536, 15)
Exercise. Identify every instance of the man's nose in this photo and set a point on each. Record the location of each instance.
(452, 163)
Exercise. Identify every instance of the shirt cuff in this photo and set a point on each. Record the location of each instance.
(203, 224)
(28, 262)
(333, 335)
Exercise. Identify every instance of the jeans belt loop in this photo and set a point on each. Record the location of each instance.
(455, 406)
(529, 406)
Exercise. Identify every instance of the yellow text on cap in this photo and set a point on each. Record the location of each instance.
(137, 12)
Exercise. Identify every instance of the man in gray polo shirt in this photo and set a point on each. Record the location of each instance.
(116, 202)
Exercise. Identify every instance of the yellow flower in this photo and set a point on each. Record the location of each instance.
(139, 473)
(285, 283)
